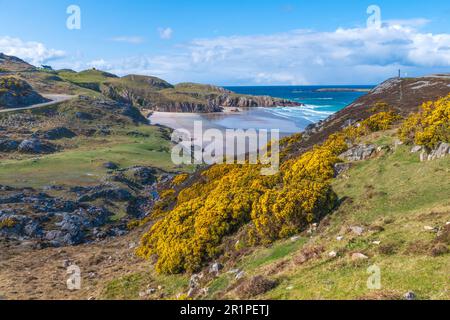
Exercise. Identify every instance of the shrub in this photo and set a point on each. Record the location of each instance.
(377, 122)
(430, 126)
(230, 197)
(7, 223)
(179, 179)
(167, 194)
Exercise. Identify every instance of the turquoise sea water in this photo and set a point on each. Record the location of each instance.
(318, 105)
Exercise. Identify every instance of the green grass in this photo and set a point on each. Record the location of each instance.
(83, 164)
(89, 78)
(278, 251)
(129, 287)
(259, 259)
(396, 183)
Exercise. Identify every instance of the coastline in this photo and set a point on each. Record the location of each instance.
(246, 118)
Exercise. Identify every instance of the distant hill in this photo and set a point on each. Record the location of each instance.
(403, 95)
(146, 92)
(13, 64)
(16, 93)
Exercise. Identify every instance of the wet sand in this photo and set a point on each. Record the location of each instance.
(251, 118)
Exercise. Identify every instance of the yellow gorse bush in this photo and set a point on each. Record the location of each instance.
(179, 179)
(7, 223)
(429, 126)
(377, 122)
(230, 197)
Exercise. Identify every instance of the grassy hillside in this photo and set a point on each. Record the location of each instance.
(393, 197)
(388, 213)
(46, 82)
(107, 135)
(82, 162)
(90, 79)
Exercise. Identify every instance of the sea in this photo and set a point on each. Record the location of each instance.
(318, 104)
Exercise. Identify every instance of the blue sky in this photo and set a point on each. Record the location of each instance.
(232, 42)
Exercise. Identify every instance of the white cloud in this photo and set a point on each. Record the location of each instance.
(343, 56)
(129, 39)
(99, 64)
(354, 55)
(33, 52)
(165, 33)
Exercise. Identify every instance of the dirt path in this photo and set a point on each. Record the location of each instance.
(56, 98)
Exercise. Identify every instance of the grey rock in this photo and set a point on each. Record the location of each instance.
(215, 268)
(340, 168)
(35, 146)
(83, 116)
(416, 149)
(441, 151)
(357, 230)
(423, 156)
(145, 175)
(58, 133)
(358, 153)
(194, 282)
(110, 166)
(410, 296)
(240, 275)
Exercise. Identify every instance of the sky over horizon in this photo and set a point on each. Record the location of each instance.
(245, 42)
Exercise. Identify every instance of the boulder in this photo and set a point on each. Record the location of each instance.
(58, 133)
(194, 282)
(441, 151)
(416, 149)
(357, 230)
(359, 153)
(145, 175)
(215, 268)
(109, 194)
(340, 168)
(110, 166)
(83, 116)
(35, 146)
(16, 93)
(359, 256)
(410, 296)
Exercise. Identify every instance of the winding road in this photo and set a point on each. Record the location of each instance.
(56, 98)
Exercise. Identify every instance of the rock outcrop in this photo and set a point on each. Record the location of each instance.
(359, 153)
(55, 134)
(189, 98)
(442, 150)
(35, 146)
(15, 93)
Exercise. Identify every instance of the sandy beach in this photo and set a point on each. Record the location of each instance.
(250, 118)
